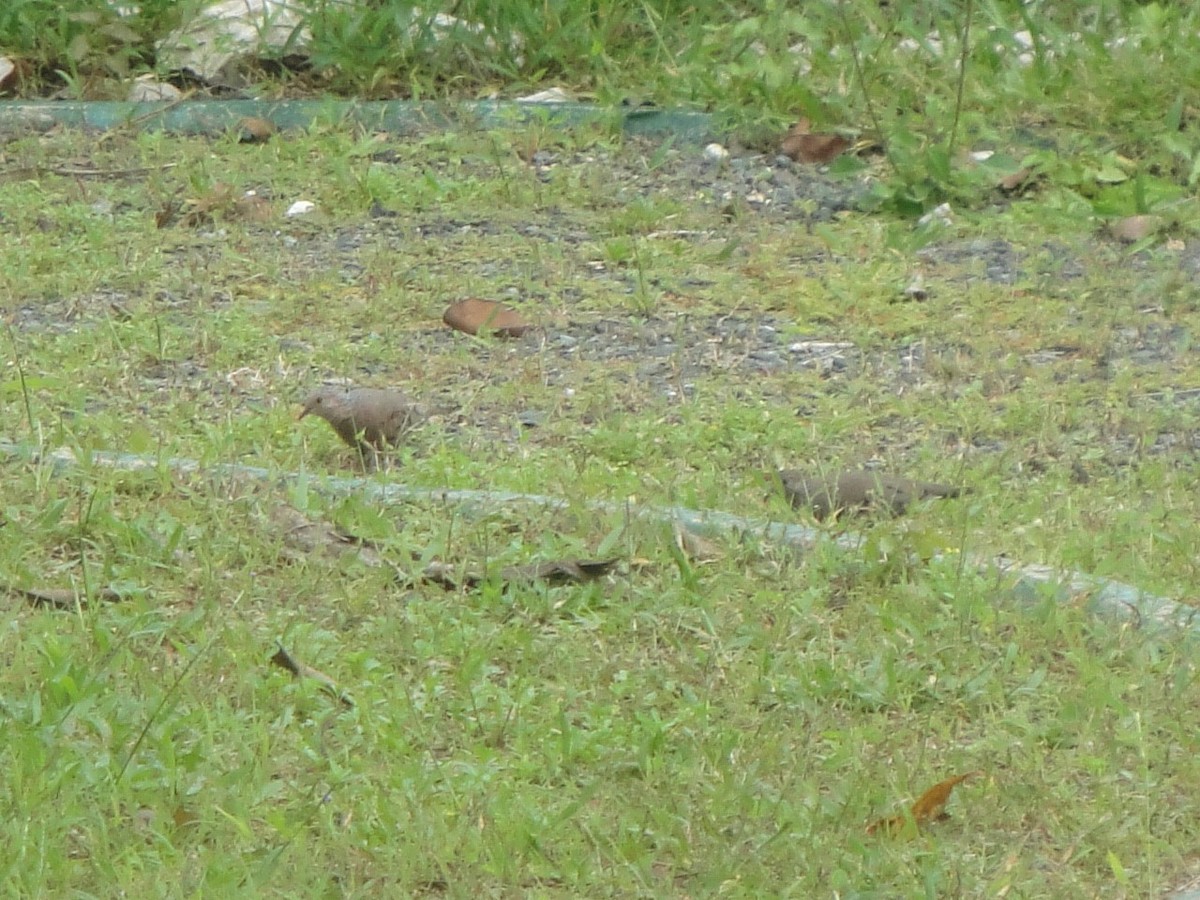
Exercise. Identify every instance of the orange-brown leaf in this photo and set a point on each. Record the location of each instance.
(891, 826)
(807, 146)
(13, 71)
(1018, 180)
(931, 803)
(253, 130)
(474, 315)
(929, 806)
(285, 660)
(1134, 228)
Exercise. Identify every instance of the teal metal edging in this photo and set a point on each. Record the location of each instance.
(215, 116)
(1027, 586)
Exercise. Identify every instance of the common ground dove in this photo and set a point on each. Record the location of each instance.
(368, 419)
(856, 491)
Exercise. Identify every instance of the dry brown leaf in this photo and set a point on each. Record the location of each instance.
(201, 210)
(304, 538)
(1132, 229)
(12, 72)
(253, 208)
(807, 146)
(62, 598)
(445, 574)
(253, 130)
(285, 660)
(474, 315)
(556, 572)
(562, 571)
(167, 214)
(1017, 181)
(696, 548)
(930, 805)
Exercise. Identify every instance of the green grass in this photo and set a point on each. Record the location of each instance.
(675, 730)
(678, 729)
(651, 735)
(1093, 98)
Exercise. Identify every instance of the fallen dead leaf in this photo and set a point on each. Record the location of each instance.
(474, 315)
(12, 72)
(1132, 229)
(253, 208)
(285, 660)
(203, 209)
(930, 805)
(62, 598)
(807, 146)
(556, 572)
(167, 214)
(696, 548)
(563, 571)
(1017, 181)
(304, 538)
(253, 130)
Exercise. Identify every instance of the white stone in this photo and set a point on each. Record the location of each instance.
(550, 95)
(942, 214)
(230, 30)
(300, 208)
(716, 153)
(146, 90)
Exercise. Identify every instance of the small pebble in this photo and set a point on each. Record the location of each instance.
(942, 214)
(300, 208)
(916, 290)
(716, 153)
